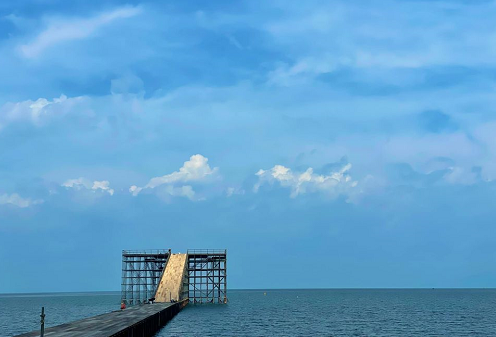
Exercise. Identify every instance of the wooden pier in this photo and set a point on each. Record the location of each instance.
(199, 275)
(143, 321)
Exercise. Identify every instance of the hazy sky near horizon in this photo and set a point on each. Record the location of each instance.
(323, 143)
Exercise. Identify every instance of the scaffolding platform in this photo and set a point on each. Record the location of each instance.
(205, 277)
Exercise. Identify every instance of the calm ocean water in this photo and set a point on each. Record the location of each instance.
(405, 312)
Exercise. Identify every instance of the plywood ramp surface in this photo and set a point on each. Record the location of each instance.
(171, 283)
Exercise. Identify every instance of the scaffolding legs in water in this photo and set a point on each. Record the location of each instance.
(207, 276)
(141, 272)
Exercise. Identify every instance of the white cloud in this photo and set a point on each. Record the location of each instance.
(181, 191)
(75, 29)
(77, 184)
(134, 190)
(334, 184)
(303, 70)
(230, 191)
(82, 183)
(169, 190)
(102, 185)
(196, 169)
(16, 200)
(37, 111)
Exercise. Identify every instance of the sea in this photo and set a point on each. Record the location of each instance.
(297, 312)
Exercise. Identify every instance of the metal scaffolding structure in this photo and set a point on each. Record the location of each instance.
(141, 273)
(207, 276)
(205, 281)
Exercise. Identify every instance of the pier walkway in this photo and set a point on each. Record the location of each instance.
(143, 320)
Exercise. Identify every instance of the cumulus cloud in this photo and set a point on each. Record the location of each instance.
(169, 191)
(134, 190)
(181, 191)
(37, 111)
(16, 200)
(102, 185)
(75, 29)
(333, 184)
(85, 184)
(196, 169)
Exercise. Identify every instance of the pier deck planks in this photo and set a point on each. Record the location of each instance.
(104, 325)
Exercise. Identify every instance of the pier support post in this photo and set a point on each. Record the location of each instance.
(42, 331)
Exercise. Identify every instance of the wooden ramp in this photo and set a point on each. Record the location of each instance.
(173, 284)
(143, 320)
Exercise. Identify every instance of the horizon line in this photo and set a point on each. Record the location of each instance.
(256, 289)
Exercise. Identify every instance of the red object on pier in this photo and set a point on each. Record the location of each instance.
(123, 306)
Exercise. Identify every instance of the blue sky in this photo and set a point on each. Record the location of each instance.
(324, 144)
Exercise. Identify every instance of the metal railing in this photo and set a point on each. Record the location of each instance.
(207, 251)
(146, 251)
